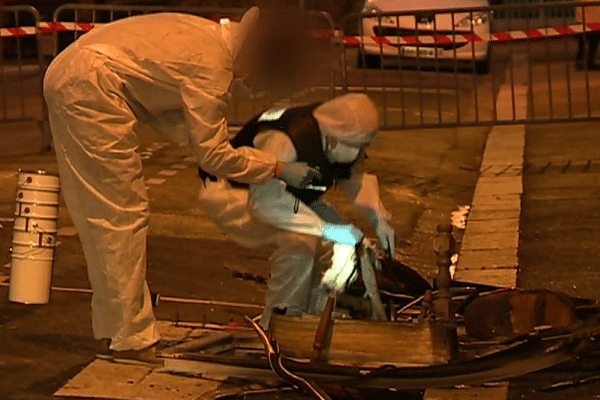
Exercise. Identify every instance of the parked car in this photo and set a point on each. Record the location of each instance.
(425, 24)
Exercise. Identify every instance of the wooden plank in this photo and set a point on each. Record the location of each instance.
(488, 259)
(491, 240)
(388, 343)
(499, 276)
(499, 392)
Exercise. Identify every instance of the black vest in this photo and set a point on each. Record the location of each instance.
(302, 128)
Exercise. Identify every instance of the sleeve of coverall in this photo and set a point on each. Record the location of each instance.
(205, 115)
(363, 190)
(271, 203)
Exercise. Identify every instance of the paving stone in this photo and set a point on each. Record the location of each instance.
(501, 169)
(511, 185)
(498, 276)
(487, 259)
(503, 202)
(491, 240)
(497, 225)
(468, 393)
(106, 380)
(493, 214)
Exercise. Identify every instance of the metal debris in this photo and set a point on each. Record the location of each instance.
(570, 383)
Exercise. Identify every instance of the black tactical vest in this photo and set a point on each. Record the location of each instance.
(302, 128)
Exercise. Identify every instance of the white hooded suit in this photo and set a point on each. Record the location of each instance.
(173, 71)
(264, 216)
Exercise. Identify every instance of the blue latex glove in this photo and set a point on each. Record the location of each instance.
(342, 234)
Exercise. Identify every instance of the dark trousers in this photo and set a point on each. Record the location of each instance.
(592, 39)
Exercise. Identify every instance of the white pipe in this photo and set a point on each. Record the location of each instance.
(166, 299)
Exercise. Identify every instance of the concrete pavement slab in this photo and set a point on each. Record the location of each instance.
(493, 214)
(500, 168)
(504, 202)
(499, 276)
(488, 259)
(498, 186)
(469, 393)
(490, 240)
(499, 225)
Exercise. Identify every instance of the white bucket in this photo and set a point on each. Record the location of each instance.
(36, 210)
(30, 280)
(37, 196)
(36, 239)
(38, 180)
(27, 224)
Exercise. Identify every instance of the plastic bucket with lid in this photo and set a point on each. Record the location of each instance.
(32, 224)
(36, 196)
(49, 211)
(40, 180)
(30, 272)
(30, 279)
(34, 237)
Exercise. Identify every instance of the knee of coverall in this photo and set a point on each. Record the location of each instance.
(292, 269)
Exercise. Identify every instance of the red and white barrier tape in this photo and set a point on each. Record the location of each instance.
(353, 41)
(47, 27)
(460, 38)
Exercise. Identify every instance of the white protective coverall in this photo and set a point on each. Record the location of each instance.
(264, 215)
(173, 71)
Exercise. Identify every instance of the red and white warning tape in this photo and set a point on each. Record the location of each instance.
(352, 41)
(47, 27)
(459, 38)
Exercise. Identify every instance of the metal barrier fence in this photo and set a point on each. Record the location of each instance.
(447, 68)
(425, 68)
(72, 20)
(21, 69)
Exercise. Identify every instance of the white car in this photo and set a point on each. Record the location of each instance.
(424, 26)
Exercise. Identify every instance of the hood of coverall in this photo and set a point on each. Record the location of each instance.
(352, 119)
(240, 31)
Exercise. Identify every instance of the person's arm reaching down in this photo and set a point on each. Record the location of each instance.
(273, 204)
(205, 116)
(363, 190)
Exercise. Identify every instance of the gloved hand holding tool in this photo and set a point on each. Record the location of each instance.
(297, 174)
(387, 237)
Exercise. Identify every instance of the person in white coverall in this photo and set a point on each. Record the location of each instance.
(298, 224)
(174, 72)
